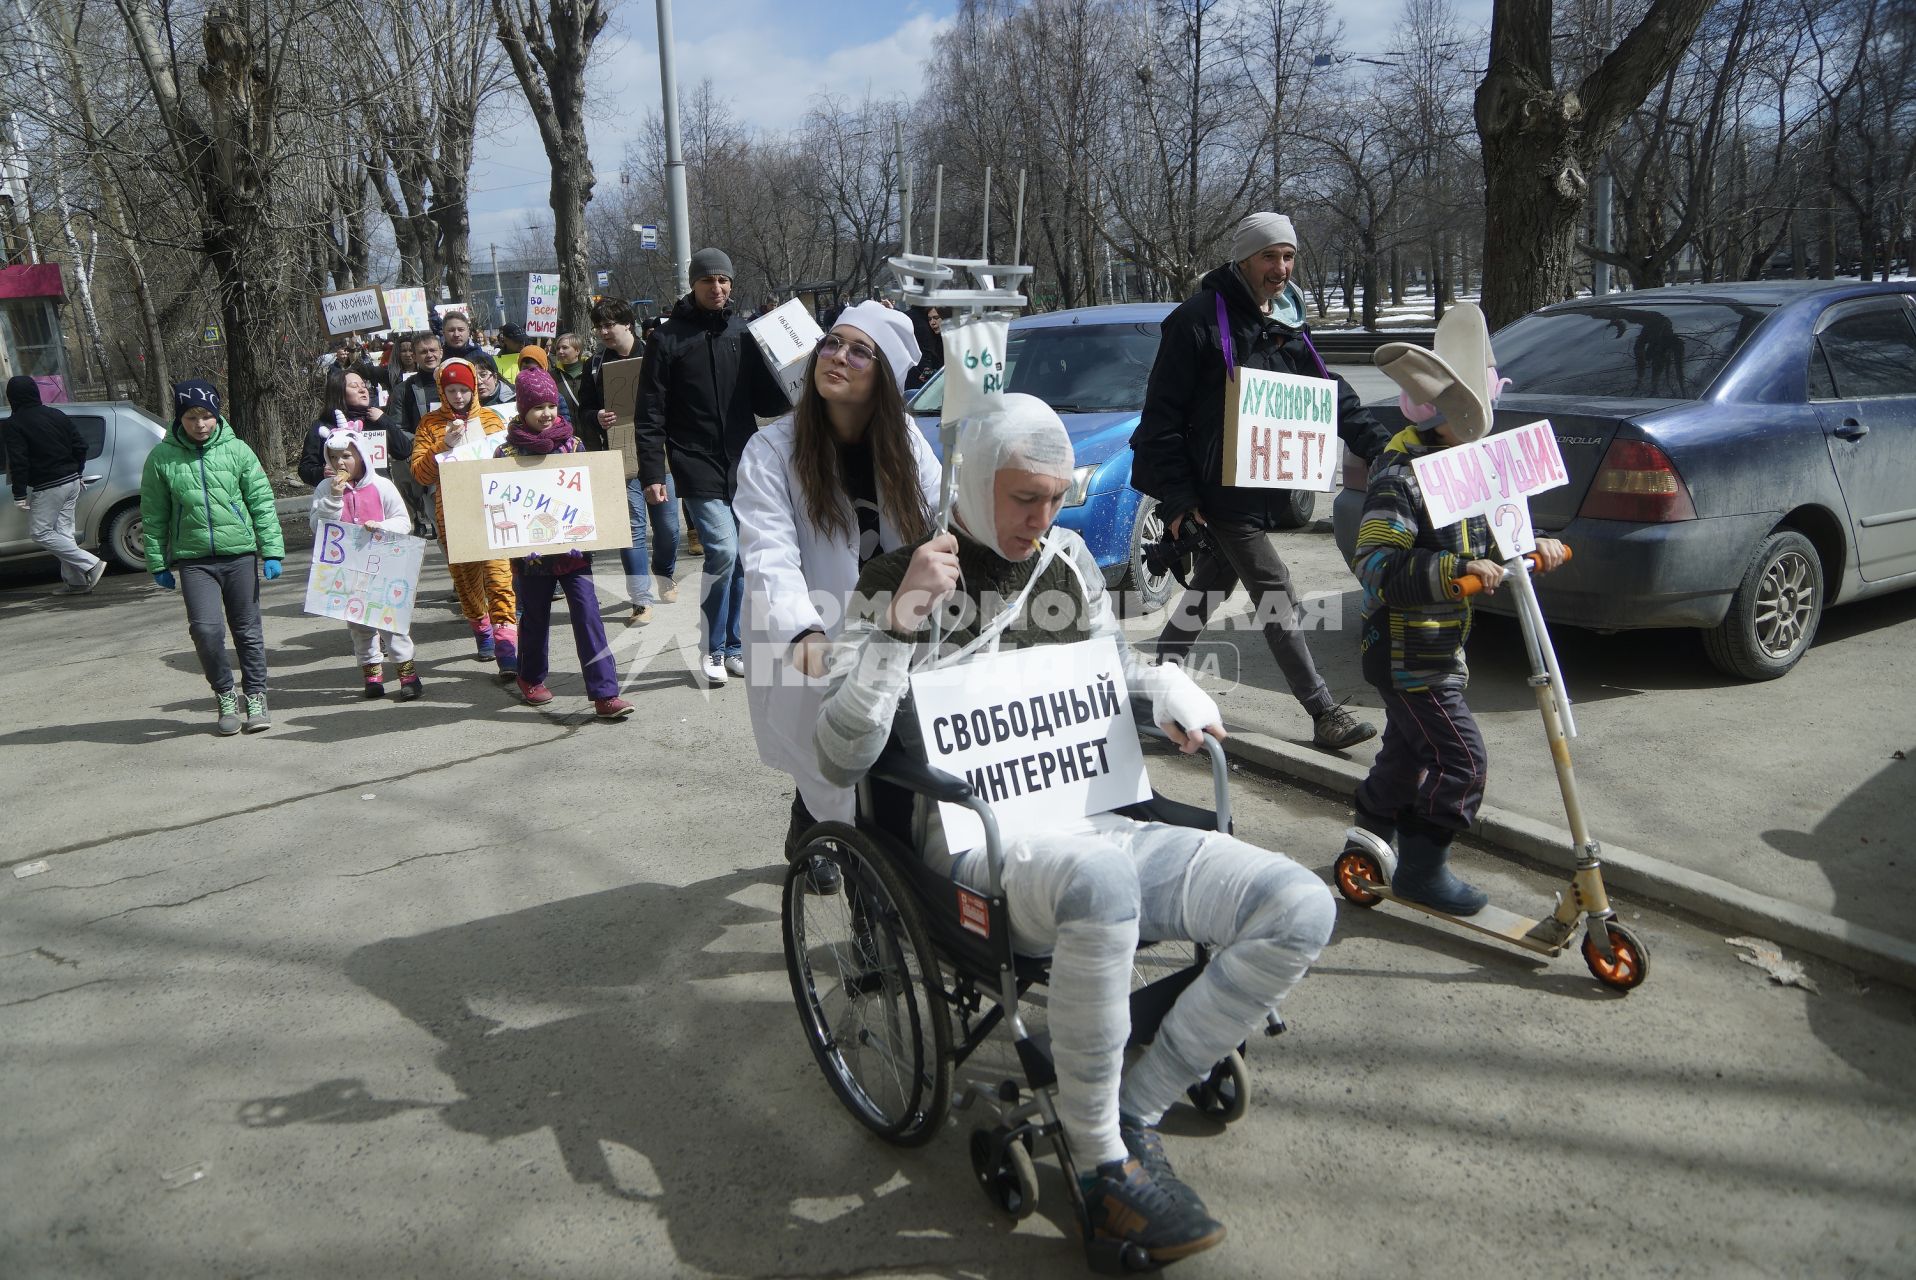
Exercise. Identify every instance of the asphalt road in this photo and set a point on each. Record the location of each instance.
(464, 989)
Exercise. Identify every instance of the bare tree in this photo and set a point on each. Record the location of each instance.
(549, 49)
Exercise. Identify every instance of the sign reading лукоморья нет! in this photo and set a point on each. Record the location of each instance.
(1044, 735)
(1280, 431)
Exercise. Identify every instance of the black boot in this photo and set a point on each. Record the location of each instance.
(1423, 873)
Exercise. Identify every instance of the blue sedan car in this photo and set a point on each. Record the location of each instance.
(1741, 456)
(1092, 365)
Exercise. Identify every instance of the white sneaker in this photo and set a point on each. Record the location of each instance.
(94, 574)
(713, 665)
(735, 664)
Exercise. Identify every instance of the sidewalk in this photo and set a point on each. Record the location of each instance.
(1782, 809)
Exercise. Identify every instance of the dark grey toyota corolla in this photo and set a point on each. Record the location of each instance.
(1741, 457)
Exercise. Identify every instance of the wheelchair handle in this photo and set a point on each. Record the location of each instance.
(1220, 763)
(1470, 584)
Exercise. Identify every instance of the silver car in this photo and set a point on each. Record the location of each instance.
(118, 434)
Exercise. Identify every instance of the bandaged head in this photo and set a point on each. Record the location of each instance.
(1022, 434)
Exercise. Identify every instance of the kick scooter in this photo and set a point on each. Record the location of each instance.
(1616, 956)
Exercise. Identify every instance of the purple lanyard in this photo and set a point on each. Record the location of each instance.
(1230, 356)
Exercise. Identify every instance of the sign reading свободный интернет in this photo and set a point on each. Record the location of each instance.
(1280, 431)
(1044, 735)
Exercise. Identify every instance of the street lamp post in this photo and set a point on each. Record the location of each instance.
(674, 153)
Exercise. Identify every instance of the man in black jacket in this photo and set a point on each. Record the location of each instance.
(1179, 448)
(702, 389)
(44, 456)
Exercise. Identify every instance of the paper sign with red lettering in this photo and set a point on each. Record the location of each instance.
(364, 575)
(1475, 479)
(502, 508)
(1044, 735)
(1280, 431)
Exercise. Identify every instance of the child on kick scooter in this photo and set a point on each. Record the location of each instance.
(1428, 778)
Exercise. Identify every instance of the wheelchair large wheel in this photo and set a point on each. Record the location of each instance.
(868, 987)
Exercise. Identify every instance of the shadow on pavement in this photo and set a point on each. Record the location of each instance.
(1866, 846)
(630, 1025)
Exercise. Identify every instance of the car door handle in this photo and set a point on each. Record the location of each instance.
(1851, 430)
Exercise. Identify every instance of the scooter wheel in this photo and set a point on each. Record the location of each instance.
(1353, 868)
(1629, 962)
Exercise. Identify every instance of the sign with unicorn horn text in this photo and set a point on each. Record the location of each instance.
(504, 508)
(1477, 478)
(1280, 431)
(364, 575)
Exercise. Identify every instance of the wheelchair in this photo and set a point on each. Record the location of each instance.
(886, 954)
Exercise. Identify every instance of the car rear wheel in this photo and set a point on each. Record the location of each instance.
(123, 540)
(1295, 508)
(1774, 613)
(1142, 591)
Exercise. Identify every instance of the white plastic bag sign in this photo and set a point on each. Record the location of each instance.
(975, 369)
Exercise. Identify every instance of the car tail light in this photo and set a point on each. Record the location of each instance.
(1356, 474)
(1637, 482)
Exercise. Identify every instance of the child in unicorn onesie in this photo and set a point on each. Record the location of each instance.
(354, 493)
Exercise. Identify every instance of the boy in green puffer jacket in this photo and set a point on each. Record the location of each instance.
(207, 511)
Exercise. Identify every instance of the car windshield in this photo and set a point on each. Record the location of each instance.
(1075, 368)
(1672, 350)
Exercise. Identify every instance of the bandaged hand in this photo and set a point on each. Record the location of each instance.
(1185, 712)
(929, 581)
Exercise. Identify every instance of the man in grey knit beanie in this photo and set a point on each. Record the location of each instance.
(1250, 305)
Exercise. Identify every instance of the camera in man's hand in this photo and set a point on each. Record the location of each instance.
(1173, 553)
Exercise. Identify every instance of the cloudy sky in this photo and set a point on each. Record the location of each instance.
(767, 58)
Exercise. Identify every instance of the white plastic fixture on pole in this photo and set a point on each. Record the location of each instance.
(993, 294)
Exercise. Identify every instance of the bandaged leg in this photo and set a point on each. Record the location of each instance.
(1265, 919)
(1077, 897)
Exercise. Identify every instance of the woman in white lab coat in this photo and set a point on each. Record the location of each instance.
(842, 478)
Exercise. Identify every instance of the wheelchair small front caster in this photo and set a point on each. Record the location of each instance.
(1005, 1171)
(1224, 1095)
(1116, 1257)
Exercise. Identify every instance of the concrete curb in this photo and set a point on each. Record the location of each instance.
(1624, 870)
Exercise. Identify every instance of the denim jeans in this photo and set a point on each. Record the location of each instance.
(657, 526)
(722, 595)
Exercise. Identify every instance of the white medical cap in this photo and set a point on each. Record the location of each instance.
(1022, 433)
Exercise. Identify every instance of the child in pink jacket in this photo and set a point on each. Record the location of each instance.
(354, 493)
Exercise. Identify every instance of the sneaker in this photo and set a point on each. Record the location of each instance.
(229, 722)
(611, 708)
(410, 687)
(1146, 1146)
(483, 639)
(735, 665)
(1338, 729)
(375, 679)
(713, 667)
(668, 589)
(94, 574)
(536, 694)
(1123, 1203)
(641, 614)
(256, 718)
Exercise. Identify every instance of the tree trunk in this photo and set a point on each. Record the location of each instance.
(1539, 142)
